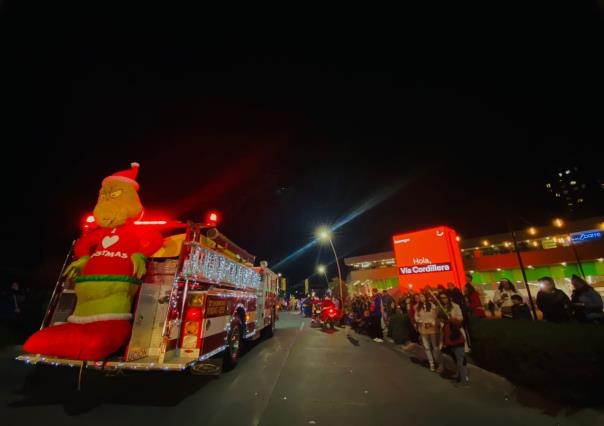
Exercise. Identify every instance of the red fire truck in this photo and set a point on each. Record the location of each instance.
(200, 301)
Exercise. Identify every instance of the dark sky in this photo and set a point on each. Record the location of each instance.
(282, 137)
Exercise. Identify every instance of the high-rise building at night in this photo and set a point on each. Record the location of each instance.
(572, 189)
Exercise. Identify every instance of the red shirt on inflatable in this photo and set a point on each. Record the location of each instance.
(110, 249)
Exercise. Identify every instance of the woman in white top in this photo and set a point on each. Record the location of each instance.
(428, 327)
(503, 297)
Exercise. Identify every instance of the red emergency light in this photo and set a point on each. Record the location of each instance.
(212, 218)
(88, 222)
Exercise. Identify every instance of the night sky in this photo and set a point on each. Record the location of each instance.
(281, 139)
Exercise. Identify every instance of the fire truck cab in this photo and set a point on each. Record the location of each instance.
(200, 300)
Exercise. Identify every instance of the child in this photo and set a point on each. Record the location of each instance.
(519, 309)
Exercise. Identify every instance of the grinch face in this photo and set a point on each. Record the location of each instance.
(118, 201)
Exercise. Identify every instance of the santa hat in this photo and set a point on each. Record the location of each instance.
(128, 176)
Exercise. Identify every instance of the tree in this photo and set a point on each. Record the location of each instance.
(334, 287)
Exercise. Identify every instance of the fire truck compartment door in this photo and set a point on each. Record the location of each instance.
(143, 321)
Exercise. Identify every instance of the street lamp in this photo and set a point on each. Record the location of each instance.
(324, 235)
(322, 270)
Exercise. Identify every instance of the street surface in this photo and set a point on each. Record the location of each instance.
(301, 376)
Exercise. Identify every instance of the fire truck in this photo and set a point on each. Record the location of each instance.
(201, 300)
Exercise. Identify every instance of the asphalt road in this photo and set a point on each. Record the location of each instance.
(301, 376)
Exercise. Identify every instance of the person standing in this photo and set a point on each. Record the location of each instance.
(553, 302)
(586, 301)
(453, 335)
(388, 306)
(520, 310)
(408, 309)
(376, 317)
(503, 297)
(491, 308)
(474, 304)
(428, 328)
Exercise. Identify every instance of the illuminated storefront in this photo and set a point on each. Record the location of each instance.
(376, 270)
(558, 250)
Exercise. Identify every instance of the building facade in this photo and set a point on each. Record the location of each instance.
(558, 251)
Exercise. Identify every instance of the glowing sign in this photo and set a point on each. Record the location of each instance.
(580, 237)
(428, 257)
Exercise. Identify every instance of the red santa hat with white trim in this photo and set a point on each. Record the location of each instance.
(128, 176)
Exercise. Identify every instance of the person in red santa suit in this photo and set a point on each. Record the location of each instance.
(110, 262)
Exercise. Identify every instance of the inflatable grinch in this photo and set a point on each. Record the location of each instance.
(109, 265)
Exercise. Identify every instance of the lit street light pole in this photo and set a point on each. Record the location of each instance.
(324, 234)
(322, 270)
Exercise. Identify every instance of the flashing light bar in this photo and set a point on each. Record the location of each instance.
(150, 222)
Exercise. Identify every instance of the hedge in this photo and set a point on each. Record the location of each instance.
(398, 328)
(560, 360)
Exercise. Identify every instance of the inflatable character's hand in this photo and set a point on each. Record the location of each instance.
(139, 262)
(75, 267)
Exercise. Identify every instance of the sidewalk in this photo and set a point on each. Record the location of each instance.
(490, 382)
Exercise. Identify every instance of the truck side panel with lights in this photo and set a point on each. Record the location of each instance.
(199, 288)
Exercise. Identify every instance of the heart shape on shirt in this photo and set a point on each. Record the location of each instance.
(109, 241)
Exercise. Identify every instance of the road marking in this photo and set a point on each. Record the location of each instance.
(302, 326)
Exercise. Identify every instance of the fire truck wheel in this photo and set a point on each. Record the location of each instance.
(231, 354)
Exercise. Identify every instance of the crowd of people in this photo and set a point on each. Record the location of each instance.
(433, 317)
(584, 304)
(438, 317)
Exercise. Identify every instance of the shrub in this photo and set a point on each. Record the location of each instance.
(561, 360)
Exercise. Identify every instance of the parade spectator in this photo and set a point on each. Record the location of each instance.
(376, 317)
(409, 312)
(503, 297)
(491, 308)
(388, 305)
(520, 310)
(428, 328)
(552, 302)
(415, 299)
(454, 294)
(474, 303)
(402, 304)
(586, 301)
(453, 334)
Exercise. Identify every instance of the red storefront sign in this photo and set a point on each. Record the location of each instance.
(428, 257)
